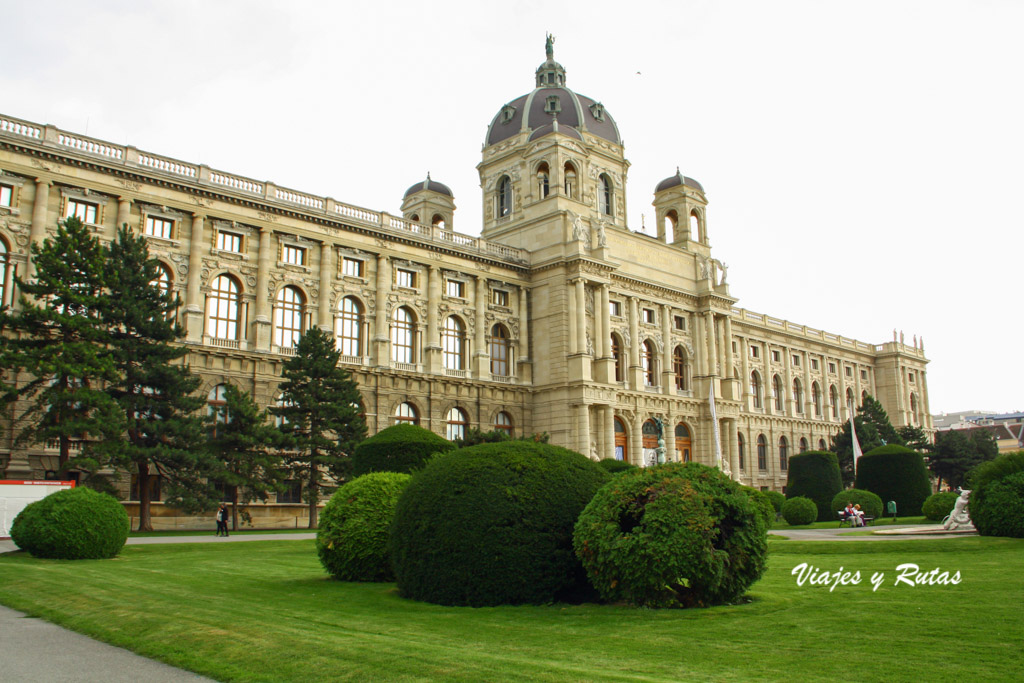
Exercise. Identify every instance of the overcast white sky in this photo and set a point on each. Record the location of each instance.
(863, 161)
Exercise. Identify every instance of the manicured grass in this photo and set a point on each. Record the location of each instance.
(265, 611)
(208, 532)
(834, 524)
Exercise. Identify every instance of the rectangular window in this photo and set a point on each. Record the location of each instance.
(680, 322)
(755, 351)
(863, 374)
(649, 316)
(6, 195)
(293, 255)
(912, 377)
(814, 364)
(776, 356)
(456, 289)
(83, 211)
(849, 371)
(831, 368)
(405, 278)
(615, 309)
(796, 361)
(159, 227)
(292, 492)
(352, 267)
(499, 297)
(229, 241)
(734, 347)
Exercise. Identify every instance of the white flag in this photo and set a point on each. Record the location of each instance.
(714, 425)
(856, 444)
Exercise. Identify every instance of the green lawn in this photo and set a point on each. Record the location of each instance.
(834, 523)
(207, 532)
(264, 611)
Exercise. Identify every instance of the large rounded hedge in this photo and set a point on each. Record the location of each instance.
(895, 473)
(777, 499)
(815, 475)
(999, 510)
(763, 503)
(674, 535)
(799, 511)
(74, 524)
(352, 539)
(401, 448)
(869, 503)
(614, 466)
(492, 524)
(938, 505)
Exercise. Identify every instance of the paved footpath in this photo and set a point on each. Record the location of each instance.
(882, 533)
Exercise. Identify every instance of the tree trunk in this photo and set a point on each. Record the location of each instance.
(312, 494)
(145, 523)
(234, 508)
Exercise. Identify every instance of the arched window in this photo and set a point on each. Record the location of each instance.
(500, 345)
(415, 218)
(162, 281)
(798, 396)
(833, 400)
(438, 221)
(741, 447)
(504, 196)
(406, 412)
(403, 334)
(455, 424)
(288, 316)
(503, 422)
(569, 173)
(621, 441)
(695, 226)
(803, 445)
(777, 392)
(755, 389)
(850, 405)
(223, 306)
(453, 343)
(280, 420)
(683, 443)
(216, 403)
(543, 181)
(607, 195)
(647, 362)
(617, 355)
(783, 454)
(816, 399)
(670, 225)
(349, 327)
(821, 445)
(679, 368)
(863, 396)
(762, 452)
(3, 273)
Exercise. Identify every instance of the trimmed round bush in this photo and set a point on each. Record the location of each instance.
(613, 466)
(815, 475)
(492, 524)
(74, 524)
(401, 448)
(999, 511)
(352, 540)
(895, 473)
(777, 499)
(763, 504)
(992, 470)
(674, 535)
(869, 502)
(799, 511)
(938, 505)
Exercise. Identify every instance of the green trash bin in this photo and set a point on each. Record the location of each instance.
(890, 508)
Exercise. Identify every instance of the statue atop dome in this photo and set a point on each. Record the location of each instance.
(549, 46)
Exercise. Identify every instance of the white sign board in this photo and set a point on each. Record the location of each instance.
(15, 495)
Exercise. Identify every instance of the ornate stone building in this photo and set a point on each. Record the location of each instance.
(557, 319)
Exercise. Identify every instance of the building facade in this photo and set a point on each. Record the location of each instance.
(558, 318)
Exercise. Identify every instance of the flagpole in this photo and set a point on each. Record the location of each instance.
(856, 444)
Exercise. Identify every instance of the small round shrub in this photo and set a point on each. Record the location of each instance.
(799, 511)
(999, 510)
(815, 475)
(674, 535)
(613, 466)
(938, 505)
(763, 503)
(777, 498)
(895, 473)
(74, 524)
(401, 448)
(869, 503)
(352, 538)
(492, 524)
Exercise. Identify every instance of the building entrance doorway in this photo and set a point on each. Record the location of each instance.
(621, 441)
(683, 443)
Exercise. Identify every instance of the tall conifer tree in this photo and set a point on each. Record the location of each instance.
(155, 391)
(320, 415)
(60, 343)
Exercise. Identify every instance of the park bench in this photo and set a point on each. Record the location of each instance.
(845, 519)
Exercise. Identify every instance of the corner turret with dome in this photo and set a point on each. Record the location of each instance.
(429, 202)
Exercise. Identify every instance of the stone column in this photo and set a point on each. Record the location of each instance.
(609, 431)
(745, 388)
(583, 422)
(39, 217)
(433, 346)
(636, 380)
(856, 384)
(808, 398)
(710, 341)
(193, 288)
(769, 402)
(605, 371)
(698, 338)
(573, 324)
(844, 413)
(327, 269)
(380, 337)
(124, 212)
(668, 383)
(787, 391)
(733, 453)
(581, 316)
(670, 439)
(481, 353)
(262, 322)
(523, 360)
(637, 439)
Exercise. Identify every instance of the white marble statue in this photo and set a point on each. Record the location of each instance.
(959, 516)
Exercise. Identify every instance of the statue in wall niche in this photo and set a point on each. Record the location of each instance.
(705, 268)
(579, 231)
(602, 241)
(959, 516)
(725, 271)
